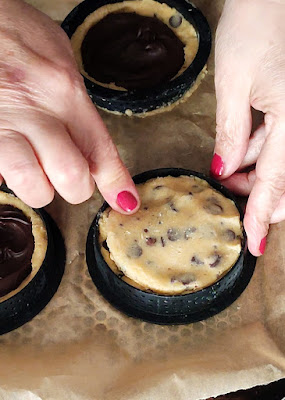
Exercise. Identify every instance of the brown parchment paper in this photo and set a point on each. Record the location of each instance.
(80, 348)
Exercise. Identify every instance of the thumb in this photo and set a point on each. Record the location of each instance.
(110, 174)
(233, 125)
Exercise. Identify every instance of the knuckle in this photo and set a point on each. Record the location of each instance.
(114, 177)
(107, 151)
(255, 227)
(226, 134)
(71, 173)
(67, 80)
(7, 137)
(22, 172)
(272, 179)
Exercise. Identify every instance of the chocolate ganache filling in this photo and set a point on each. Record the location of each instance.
(133, 51)
(16, 248)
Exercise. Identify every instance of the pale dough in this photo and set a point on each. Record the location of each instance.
(185, 236)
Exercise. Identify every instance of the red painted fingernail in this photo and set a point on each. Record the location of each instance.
(262, 245)
(127, 201)
(217, 166)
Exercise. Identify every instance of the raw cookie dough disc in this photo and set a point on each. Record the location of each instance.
(137, 300)
(185, 236)
(39, 282)
(179, 17)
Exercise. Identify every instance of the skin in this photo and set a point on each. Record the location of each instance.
(45, 109)
(250, 67)
(51, 136)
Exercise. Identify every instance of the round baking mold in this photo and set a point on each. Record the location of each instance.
(26, 304)
(163, 309)
(141, 102)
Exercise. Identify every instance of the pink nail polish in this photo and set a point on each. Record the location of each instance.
(126, 201)
(217, 166)
(262, 245)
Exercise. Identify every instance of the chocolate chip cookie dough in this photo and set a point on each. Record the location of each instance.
(134, 44)
(185, 236)
(23, 245)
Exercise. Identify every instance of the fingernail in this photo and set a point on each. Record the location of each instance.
(126, 201)
(262, 245)
(217, 166)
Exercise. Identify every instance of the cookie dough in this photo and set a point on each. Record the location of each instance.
(151, 10)
(185, 236)
(23, 245)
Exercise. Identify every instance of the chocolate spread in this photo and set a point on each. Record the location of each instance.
(16, 248)
(132, 51)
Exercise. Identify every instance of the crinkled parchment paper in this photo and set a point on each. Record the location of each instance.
(80, 347)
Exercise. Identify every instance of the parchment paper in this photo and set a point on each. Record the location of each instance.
(80, 348)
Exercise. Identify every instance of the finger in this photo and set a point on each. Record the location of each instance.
(112, 177)
(65, 166)
(268, 187)
(233, 122)
(255, 144)
(240, 183)
(279, 212)
(22, 172)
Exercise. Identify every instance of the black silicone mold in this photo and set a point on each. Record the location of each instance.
(142, 101)
(176, 309)
(26, 304)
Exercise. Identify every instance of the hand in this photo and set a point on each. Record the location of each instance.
(250, 70)
(51, 136)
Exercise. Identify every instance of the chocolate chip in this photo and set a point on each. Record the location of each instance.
(213, 207)
(158, 187)
(217, 258)
(172, 206)
(190, 194)
(150, 241)
(121, 225)
(145, 230)
(145, 208)
(229, 235)
(175, 21)
(104, 244)
(185, 279)
(134, 251)
(173, 234)
(197, 189)
(189, 232)
(162, 241)
(196, 260)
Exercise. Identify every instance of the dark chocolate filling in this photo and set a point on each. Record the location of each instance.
(133, 51)
(16, 248)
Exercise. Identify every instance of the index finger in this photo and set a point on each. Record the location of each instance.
(112, 177)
